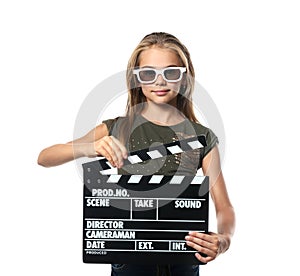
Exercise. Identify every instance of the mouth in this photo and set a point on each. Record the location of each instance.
(161, 92)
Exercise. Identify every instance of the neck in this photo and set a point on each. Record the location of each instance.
(162, 114)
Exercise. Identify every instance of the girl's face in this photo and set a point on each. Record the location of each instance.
(160, 91)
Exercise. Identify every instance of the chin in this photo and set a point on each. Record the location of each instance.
(163, 101)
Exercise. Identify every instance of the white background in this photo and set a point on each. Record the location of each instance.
(53, 53)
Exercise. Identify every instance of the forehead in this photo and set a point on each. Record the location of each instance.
(159, 57)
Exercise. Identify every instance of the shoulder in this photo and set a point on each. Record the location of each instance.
(115, 123)
(203, 130)
(110, 122)
(211, 138)
(199, 128)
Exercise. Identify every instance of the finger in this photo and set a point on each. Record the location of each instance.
(203, 259)
(119, 150)
(202, 249)
(203, 236)
(121, 147)
(103, 148)
(195, 246)
(113, 150)
(106, 153)
(211, 245)
(198, 241)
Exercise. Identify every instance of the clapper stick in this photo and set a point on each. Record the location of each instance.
(143, 218)
(155, 152)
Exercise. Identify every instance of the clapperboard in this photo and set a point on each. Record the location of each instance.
(143, 218)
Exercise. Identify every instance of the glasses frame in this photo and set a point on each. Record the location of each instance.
(158, 72)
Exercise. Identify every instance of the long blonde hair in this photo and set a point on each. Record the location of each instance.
(135, 96)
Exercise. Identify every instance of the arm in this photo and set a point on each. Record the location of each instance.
(94, 143)
(213, 244)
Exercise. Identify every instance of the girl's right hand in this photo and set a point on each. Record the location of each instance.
(112, 149)
(95, 143)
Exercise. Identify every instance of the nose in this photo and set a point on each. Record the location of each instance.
(160, 80)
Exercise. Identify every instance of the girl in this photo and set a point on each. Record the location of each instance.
(160, 80)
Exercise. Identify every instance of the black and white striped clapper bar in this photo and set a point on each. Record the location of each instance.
(143, 218)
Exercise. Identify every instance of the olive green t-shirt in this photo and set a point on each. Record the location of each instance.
(145, 134)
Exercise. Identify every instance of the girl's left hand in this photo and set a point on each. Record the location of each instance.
(211, 244)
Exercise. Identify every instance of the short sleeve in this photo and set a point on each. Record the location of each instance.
(110, 123)
(211, 142)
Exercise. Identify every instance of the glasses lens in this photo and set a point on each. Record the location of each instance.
(147, 75)
(172, 74)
